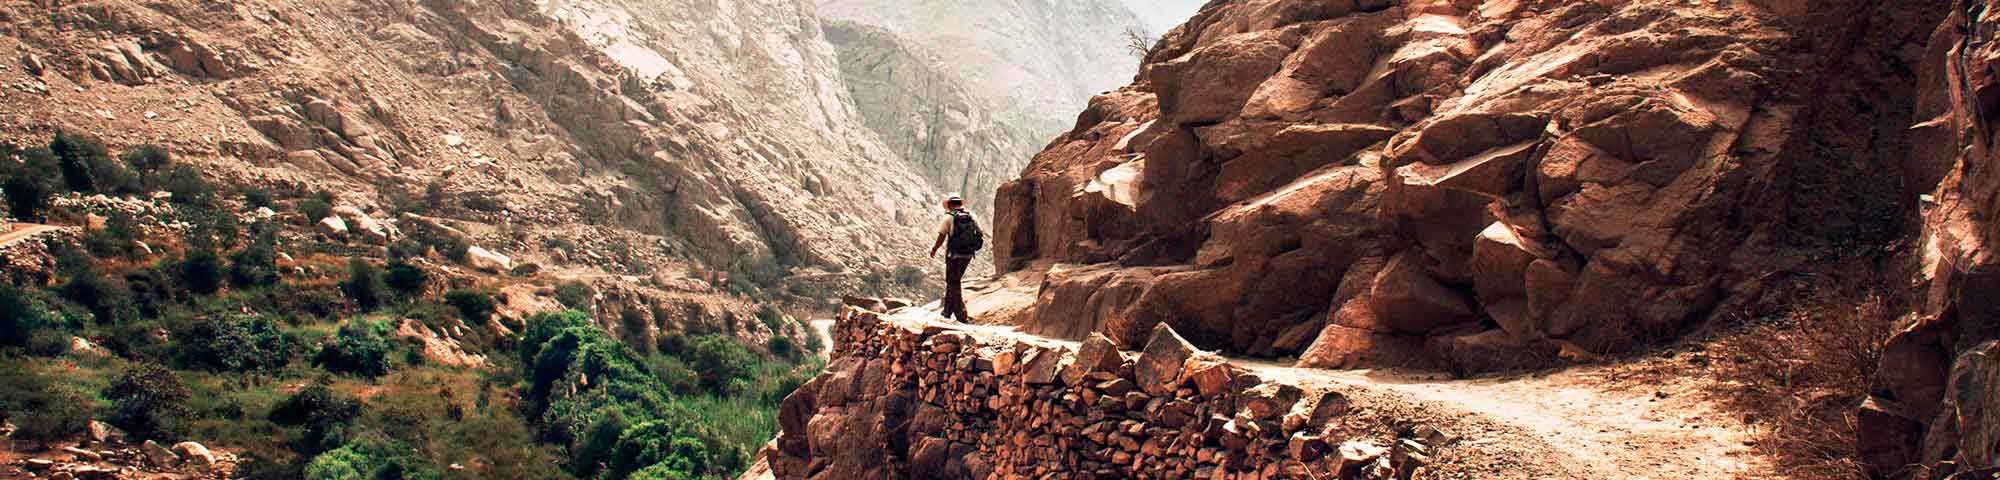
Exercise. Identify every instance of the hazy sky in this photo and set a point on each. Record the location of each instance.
(1163, 15)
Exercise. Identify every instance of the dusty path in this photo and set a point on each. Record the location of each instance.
(23, 231)
(825, 329)
(1571, 423)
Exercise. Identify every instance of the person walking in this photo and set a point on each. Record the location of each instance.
(962, 239)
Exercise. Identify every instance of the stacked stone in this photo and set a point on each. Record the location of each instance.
(945, 402)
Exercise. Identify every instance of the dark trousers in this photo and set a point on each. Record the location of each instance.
(954, 275)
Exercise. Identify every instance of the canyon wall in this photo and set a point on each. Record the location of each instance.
(720, 134)
(1932, 409)
(926, 113)
(1037, 61)
(1474, 186)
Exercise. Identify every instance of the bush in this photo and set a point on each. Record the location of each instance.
(909, 276)
(42, 411)
(104, 297)
(576, 295)
(356, 350)
(201, 272)
(148, 159)
(322, 414)
(87, 166)
(719, 359)
(28, 187)
(475, 307)
(783, 347)
(406, 279)
(658, 444)
(386, 460)
(256, 265)
(363, 285)
(317, 208)
(20, 317)
(238, 344)
(118, 238)
(771, 318)
(149, 401)
(188, 186)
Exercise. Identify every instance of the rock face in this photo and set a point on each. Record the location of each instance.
(1037, 61)
(723, 131)
(1463, 184)
(908, 396)
(925, 111)
(1932, 406)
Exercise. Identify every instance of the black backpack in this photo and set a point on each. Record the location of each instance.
(966, 238)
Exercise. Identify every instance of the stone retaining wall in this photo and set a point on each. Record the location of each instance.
(910, 396)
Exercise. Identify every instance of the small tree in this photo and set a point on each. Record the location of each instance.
(87, 166)
(475, 307)
(201, 272)
(322, 413)
(188, 186)
(364, 284)
(576, 295)
(19, 317)
(406, 279)
(720, 360)
(149, 401)
(148, 159)
(356, 350)
(256, 265)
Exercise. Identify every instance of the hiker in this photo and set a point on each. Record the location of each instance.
(962, 238)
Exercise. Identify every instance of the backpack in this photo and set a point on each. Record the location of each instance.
(966, 239)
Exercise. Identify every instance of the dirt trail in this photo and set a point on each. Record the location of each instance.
(1578, 422)
(23, 231)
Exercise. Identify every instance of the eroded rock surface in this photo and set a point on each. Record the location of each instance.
(1471, 185)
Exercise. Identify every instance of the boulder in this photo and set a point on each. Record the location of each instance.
(1159, 367)
(1097, 354)
(483, 259)
(865, 303)
(1974, 396)
(1407, 299)
(100, 433)
(195, 453)
(158, 455)
(333, 227)
(1042, 366)
(1890, 438)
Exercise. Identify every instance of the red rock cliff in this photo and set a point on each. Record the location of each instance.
(1473, 184)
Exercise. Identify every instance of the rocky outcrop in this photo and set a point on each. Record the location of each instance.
(1476, 186)
(908, 396)
(1931, 410)
(925, 112)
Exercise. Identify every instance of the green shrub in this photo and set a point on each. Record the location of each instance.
(783, 347)
(909, 276)
(256, 265)
(43, 411)
(719, 359)
(373, 460)
(255, 198)
(363, 285)
(406, 279)
(188, 186)
(659, 443)
(148, 159)
(201, 272)
(407, 247)
(20, 317)
(319, 301)
(149, 401)
(321, 414)
(28, 187)
(576, 295)
(118, 238)
(87, 166)
(671, 343)
(771, 318)
(105, 297)
(237, 344)
(474, 306)
(316, 208)
(675, 374)
(356, 350)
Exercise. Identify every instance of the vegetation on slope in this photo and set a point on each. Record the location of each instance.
(204, 334)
